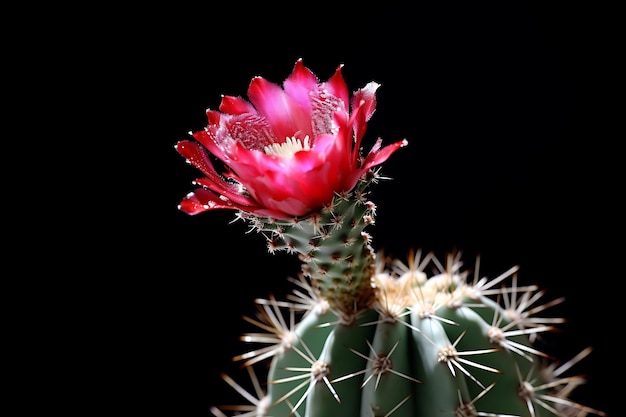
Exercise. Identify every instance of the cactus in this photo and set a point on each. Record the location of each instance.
(362, 335)
(389, 340)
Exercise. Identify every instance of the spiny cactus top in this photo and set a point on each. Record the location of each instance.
(288, 150)
(367, 336)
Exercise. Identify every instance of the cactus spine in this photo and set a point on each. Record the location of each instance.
(379, 337)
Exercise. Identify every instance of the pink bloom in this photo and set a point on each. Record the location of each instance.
(287, 151)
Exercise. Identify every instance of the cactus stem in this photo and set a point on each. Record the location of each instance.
(347, 318)
(445, 329)
(319, 373)
(393, 410)
(380, 365)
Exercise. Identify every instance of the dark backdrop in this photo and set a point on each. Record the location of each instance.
(509, 157)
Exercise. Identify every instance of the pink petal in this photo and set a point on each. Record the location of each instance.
(200, 201)
(198, 157)
(285, 115)
(206, 138)
(213, 117)
(366, 97)
(377, 157)
(236, 105)
(363, 106)
(300, 83)
(337, 87)
(203, 200)
(227, 190)
(290, 205)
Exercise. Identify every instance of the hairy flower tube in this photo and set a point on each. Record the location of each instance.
(287, 151)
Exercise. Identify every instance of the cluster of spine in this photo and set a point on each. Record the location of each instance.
(366, 336)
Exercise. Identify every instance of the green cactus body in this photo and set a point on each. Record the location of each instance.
(390, 383)
(336, 357)
(503, 396)
(396, 343)
(310, 336)
(441, 389)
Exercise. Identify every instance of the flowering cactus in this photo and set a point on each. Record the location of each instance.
(362, 335)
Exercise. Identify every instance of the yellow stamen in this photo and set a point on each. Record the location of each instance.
(288, 148)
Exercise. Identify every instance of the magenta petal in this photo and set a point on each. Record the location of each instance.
(285, 115)
(228, 190)
(213, 117)
(377, 157)
(197, 156)
(236, 105)
(300, 84)
(366, 98)
(202, 200)
(363, 106)
(291, 205)
(338, 88)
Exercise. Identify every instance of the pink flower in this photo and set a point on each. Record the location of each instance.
(287, 151)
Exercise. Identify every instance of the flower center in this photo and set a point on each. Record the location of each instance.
(288, 148)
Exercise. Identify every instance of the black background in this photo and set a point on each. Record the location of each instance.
(506, 108)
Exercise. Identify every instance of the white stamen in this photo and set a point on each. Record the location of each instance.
(288, 148)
